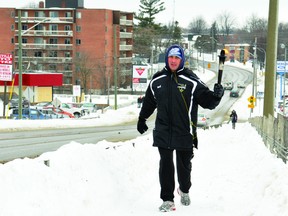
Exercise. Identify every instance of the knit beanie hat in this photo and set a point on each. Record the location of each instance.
(175, 50)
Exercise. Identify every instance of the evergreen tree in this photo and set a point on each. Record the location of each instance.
(147, 12)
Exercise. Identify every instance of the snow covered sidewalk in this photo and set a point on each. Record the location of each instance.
(233, 174)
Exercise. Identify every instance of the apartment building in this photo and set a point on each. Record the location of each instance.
(88, 46)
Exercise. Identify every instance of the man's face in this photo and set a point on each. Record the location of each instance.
(174, 63)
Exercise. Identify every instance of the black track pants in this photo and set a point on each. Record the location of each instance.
(167, 172)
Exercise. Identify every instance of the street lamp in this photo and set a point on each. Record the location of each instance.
(212, 47)
(20, 33)
(202, 49)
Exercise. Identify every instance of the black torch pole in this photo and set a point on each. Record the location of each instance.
(222, 58)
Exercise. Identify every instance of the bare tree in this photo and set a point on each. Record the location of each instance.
(84, 67)
(256, 25)
(198, 25)
(226, 22)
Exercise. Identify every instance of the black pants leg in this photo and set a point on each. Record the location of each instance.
(166, 174)
(184, 168)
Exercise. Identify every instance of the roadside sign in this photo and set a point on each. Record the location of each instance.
(6, 59)
(76, 90)
(6, 67)
(282, 67)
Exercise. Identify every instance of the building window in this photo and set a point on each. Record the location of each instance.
(12, 14)
(39, 27)
(53, 41)
(67, 54)
(68, 14)
(24, 13)
(67, 67)
(38, 40)
(67, 80)
(24, 53)
(24, 27)
(67, 27)
(52, 67)
(39, 14)
(78, 15)
(53, 14)
(12, 27)
(53, 28)
(38, 54)
(78, 41)
(78, 28)
(67, 41)
(39, 67)
(12, 40)
(53, 54)
(24, 40)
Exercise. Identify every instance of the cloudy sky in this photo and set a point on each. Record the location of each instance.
(185, 11)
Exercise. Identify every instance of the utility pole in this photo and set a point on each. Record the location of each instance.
(19, 65)
(255, 69)
(270, 74)
(151, 62)
(115, 67)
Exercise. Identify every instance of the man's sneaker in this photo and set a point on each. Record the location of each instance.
(185, 199)
(167, 206)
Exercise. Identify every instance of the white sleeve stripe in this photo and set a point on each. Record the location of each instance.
(154, 81)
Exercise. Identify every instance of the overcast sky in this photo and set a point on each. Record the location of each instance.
(185, 11)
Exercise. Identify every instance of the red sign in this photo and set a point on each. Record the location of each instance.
(140, 70)
(6, 67)
(34, 79)
(6, 59)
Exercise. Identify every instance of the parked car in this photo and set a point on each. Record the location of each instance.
(80, 108)
(28, 113)
(202, 120)
(228, 85)
(234, 93)
(54, 115)
(91, 107)
(59, 111)
(40, 105)
(68, 107)
(14, 102)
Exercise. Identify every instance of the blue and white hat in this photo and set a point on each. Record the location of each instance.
(175, 51)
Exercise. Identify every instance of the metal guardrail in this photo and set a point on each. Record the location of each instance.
(274, 132)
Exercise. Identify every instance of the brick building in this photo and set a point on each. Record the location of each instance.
(87, 46)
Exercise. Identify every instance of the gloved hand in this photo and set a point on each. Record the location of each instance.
(218, 90)
(141, 125)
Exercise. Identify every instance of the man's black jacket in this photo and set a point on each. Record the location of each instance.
(176, 97)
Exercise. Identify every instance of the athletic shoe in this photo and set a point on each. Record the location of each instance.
(185, 199)
(167, 206)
